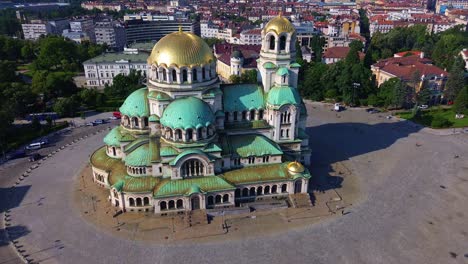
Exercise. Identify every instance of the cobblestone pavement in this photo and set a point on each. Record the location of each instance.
(412, 207)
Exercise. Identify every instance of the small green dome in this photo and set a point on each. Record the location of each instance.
(188, 112)
(281, 95)
(136, 104)
(236, 54)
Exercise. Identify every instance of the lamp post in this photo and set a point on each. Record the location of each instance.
(355, 85)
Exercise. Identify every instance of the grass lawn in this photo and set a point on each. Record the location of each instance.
(20, 136)
(428, 115)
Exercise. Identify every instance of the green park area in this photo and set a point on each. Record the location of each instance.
(436, 118)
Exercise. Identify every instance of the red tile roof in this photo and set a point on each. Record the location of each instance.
(339, 53)
(250, 53)
(405, 67)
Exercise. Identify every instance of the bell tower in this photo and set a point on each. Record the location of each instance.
(276, 65)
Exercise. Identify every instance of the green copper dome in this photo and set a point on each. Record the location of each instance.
(281, 95)
(188, 112)
(136, 104)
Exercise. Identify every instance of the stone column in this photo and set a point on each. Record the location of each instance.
(189, 75)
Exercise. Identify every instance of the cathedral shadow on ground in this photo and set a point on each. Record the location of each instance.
(12, 197)
(335, 142)
(14, 232)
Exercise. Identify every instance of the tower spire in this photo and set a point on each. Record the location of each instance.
(180, 28)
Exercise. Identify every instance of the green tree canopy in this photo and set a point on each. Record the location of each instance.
(461, 102)
(456, 79)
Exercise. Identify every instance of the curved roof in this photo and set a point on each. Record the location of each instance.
(241, 97)
(187, 112)
(136, 104)
(181, 49)
(279, 25)
(143, 155)
(115, 136)
(188, 152)
(282, 71)
(250, 145)
(281, 95)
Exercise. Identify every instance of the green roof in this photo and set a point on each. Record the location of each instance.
(168, 151)
(261, 173)
(116, 167)
(187, 112)
(219, 113)
(211, 93)
(269, 65)
(295, 65)
(119, 185)
(144, 154)
(189, 152)
(160, 96)
(281, 95)
(250, 145)
(136, 143)
(282, 71)
(153, 118)
(141, 57)
(242, 97)
(212, 147)
(138, 184)
(136, 104)
(115, 136)
(190, 185)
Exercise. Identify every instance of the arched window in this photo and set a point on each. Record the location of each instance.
(289, 117)
(178, 134)
(252, 114)
(226, 116)
(252, 191)
(145, 201)
(184, 75)
(244, 115)
(272, 42)
(113, 151)
(192, 167)
(141, 170)
(237, 193)
(282, 43)
(226, 198)
(163, 205)
(245, 192)
(235, 115)
(171, 204)
(210, 200)
(259, 190)
(260, 114)
(164, 75)
(180, 204)
(209, 72)
(274, 189)
(199, 133)
(284, 188)
(131, 201)
(138, 202)
(218, 199)
(145, 121)
(174, 75)
(267, 189)
(135, 122)
(189, 135)
(194, 75)
(157, 74)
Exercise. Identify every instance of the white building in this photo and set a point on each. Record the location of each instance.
(37, 28)
(84, 25)
(251, 37)
(111, 33)
(102, 69)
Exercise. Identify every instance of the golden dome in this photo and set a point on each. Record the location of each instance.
(295, 167)
(279, 25)
(181, 49)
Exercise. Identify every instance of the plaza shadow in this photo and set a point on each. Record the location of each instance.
(334, 142)
(12, 197)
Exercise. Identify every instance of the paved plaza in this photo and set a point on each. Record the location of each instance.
(408, 187)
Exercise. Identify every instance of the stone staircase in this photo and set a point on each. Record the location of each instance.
(300, 200)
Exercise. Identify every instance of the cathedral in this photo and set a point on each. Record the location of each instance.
(188, 142)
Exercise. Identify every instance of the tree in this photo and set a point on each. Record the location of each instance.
(456, 79)
(249, 76)
(28, 51)
(7, 71)
(316, 44)
(312, 86)
(67, 106)
(18, 96)
(124, 85)
(6, 119)
(424, 95)
(364, 23)
(461, 102)
(234, 79)
(56, 53)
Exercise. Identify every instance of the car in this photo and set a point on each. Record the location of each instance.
(117, 114)
(35, 145)
(44, 141)
(368, 110)
(423, 107)
(112, 118)
(98, 122)
(90, 124)
(34, 157)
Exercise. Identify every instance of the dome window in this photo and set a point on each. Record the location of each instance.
(194, 75)
(184, 75)
(283, 43)
(272, 42)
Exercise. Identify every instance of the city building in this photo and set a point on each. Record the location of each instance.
(111, 33)
(138, 30)
(251, 37)
(37, 28)
(77, 37)
(335, 54)
(188, 142)
(102, 69)
(84, 25)
(411, 67)
(235, 59)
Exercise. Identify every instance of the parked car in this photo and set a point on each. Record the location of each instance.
(98, 122)
(117, 114)
(112, 118)
(372, 110)
(34, 157)
(90, 124)
(35, 145)
(423, 107)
